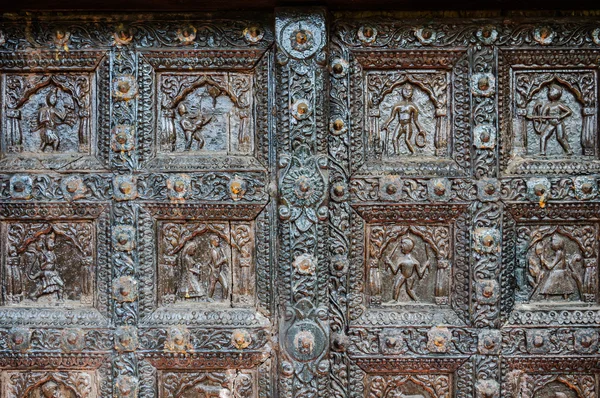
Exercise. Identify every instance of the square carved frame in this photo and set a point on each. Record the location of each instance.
(437, 377)
(151, 313)
(45, 69)
(202, 63)
(452, 305)
(97, 313)
(176, 375)
(87, 378)
(577, 71)
(562, 219)
(529, 377)
(452, 109)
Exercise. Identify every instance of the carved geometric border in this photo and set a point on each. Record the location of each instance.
(94, 62)
(455, 62)
(510, 60)
(393, 188)
(68, 346)
(381, 348)
(99, 315)
(242, 60)
(521, 343)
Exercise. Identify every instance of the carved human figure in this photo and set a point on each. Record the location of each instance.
(548, 120)
(48, 280)
(192, 126)
(406, 269)
(218, 268)
(558, 276)
(190, 286)
(49, 118)
(407, 114)
(51, 389)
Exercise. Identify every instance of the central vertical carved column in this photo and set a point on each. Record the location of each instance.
(124, 92)
(303, 234)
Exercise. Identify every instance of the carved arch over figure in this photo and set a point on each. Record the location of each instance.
(204, 81)
(582, 386)
(581, 85)
(548, 276)
(28, 93)
(45, 231)
(407, 79)
(552, 231)
(76, 113)
(205, 229)
(409, 263)
(178, 124)
(434, 87)
(431, 244)
(548, 80)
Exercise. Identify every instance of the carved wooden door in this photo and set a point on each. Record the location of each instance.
(302, 204)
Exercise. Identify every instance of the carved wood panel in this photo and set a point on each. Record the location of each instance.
(299, 204)
(463, 207)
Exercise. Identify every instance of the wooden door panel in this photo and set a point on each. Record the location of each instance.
(460, 150)
(136, 216)
(299, 204)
